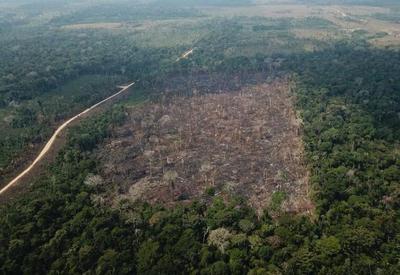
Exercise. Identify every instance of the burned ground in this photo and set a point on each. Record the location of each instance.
(243, 143)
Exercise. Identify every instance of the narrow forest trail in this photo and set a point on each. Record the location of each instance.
(53, 138)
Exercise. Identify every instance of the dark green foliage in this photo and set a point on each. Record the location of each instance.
(349, 101)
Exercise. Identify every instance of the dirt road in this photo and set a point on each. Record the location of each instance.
(185, 55)
(53, 138)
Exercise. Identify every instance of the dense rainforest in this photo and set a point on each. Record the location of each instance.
(348, 98)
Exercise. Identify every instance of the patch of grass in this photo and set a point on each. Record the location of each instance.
(277, 199)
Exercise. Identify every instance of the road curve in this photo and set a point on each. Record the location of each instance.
(50, 143)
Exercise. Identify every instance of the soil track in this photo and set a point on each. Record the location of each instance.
(185, 55)
(48, 148)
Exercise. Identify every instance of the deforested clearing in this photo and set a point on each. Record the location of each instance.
(244, 143)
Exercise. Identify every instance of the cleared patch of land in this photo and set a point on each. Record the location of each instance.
(347, 20)
(244, 143)
(94, 26)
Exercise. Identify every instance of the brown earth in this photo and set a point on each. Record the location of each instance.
(245, 143)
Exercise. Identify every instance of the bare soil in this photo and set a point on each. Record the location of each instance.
(242, 143)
